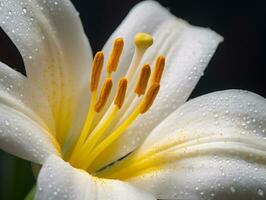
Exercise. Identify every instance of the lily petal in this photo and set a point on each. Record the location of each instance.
(187, 49)
(212, 147)
(55, 50)
(18, 93)
(59, 180)
(23, 137)
(206, 178)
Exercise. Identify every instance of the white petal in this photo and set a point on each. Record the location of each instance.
(213, 147)
(17, 92)
(214, 113)
(55, 50)
(23, 137)
(58, 180)
(188, 50)
(207, 178)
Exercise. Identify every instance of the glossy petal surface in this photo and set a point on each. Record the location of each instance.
(56, 53)
(58, 180)
(212, 147)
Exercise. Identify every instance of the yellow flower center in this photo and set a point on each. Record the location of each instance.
(103, 126)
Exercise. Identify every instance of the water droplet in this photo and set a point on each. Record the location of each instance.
(260, 192)
(7, 123)
(1, 5)
(232, 189)
(24, 10)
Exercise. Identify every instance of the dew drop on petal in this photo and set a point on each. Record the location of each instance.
(232, 189)
(7, 123)
(24, 10)
(260, 192)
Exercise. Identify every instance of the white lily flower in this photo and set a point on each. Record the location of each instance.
(212, 147)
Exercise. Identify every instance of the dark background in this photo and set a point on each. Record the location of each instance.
(239, 62)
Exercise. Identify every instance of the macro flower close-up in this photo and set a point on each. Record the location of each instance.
(118, 124)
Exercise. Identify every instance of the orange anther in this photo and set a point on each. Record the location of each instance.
(158, 71)
(121, 92)
(149, 98)
(97, 66)
(115, 55)
(143, 79)
(105, 92)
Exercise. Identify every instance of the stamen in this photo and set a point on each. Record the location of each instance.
(142, 42)
(111, 124)
(121, 93)
(142, 108)
(98, 132)
(111, 138)
(133, 99)
(105, 92)
(115, 55)
(97, 66)
(149, 98)
(158, 71)
(143, 79)
(93, 139)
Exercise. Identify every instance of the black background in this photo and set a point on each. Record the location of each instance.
(239, 62)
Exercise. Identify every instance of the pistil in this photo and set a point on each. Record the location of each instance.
(142, 42)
